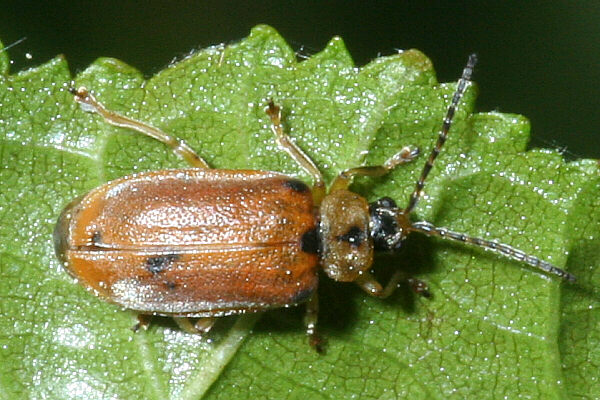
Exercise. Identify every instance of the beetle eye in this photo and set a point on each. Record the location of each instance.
(386, 202)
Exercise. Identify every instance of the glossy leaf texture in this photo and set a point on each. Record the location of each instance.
(493, 329)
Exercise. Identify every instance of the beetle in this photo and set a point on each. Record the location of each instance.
(205, 243)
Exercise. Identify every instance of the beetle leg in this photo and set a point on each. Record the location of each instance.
(368, 283)
(143, 322)
(343, 180)
(283, 140)
(310, 321)
(204, 325)
(179, 147)
(185, 324)
(416, 285)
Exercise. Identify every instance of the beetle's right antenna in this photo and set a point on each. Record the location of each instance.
(500, 248)
(460, 90)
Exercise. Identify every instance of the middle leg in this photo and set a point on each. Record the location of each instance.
(283, 140)
(179, 147)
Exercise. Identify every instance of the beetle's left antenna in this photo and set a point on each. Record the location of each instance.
(431, 230)
(458, 94)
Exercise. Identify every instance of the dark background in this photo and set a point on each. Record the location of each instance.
(537, 58)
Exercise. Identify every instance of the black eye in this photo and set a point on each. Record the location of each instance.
(386, 202)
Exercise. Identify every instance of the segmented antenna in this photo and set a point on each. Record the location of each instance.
(460, 90)
(431, 230)
(500, 248)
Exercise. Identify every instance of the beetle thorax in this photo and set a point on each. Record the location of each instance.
(346, 245)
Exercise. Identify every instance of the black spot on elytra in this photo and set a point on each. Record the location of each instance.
(170, 285)
(159, 263)
(310, 242)
(296, 185)
(354, 236)
(301, 296)
(97, 237)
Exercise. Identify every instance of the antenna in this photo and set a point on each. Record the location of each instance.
(431, 230)
(500, 248)
(460, 90)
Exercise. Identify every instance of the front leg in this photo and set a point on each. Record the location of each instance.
(344, 179)
(369, 284)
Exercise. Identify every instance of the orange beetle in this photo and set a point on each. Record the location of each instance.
(195, 241)
(206, 243)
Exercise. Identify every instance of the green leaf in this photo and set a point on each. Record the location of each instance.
(494, 328)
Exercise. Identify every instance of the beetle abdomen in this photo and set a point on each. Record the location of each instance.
(192, 242)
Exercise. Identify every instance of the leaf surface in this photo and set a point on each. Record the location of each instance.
(494, 329)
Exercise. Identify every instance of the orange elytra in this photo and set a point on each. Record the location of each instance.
(205, 243)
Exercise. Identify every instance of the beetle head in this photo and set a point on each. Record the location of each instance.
(388, 225)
